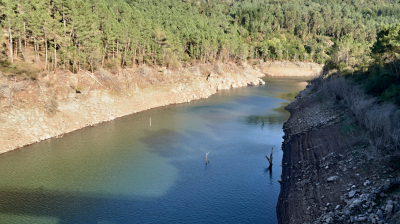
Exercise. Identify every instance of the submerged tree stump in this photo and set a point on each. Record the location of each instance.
(206, 157)
(270, 157)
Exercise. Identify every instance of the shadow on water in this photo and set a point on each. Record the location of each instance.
(69, 207)
(279, 117)
(282, 110)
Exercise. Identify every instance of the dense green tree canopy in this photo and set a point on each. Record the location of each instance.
(88, 34)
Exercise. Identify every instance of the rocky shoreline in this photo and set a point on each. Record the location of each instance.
(57, 104)
(60, 102)
(325, 176)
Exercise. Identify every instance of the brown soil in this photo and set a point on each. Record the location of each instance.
(287, 68)
(62, 102)
(323, 162)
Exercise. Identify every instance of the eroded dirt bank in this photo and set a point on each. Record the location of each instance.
(288, 68)
(63, 102)
(325, 176)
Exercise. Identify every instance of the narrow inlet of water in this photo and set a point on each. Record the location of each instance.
(126, 171)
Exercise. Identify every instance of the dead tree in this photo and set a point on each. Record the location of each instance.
(206, 157)
(270, 157)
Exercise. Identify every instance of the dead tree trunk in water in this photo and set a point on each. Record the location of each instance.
(270, 157)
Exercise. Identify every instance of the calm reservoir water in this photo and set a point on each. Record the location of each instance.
(127, 171)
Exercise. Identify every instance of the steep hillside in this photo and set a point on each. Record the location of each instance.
(333, 169)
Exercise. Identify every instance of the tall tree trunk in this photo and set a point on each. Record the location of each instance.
(70, 33)
(117, 49)
(163, 58)
(79, 51)
(48, 67)
(91, 64)
(143, 55)
(65, 26)
(45, 46)
(16, 50)
(55, 53)
(152, 56)
(134, 58)
(73, 64)
(105, 53)
(20, 48)
(139, 55)
(25, 38)
(35, 47)
(84, 61)
(10, 44)
(38, 49)
(123, 57)
(126, 49)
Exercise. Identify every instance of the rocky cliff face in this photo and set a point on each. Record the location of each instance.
(326, 176)
(59, 103)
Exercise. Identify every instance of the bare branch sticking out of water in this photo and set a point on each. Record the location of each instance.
(270, 157)
(206, 157)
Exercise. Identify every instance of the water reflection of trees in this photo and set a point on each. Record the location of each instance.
(278, 116)
(269, 119)
(70, 207)
(287, 96)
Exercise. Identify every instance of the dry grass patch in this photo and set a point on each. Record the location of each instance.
(380, 120)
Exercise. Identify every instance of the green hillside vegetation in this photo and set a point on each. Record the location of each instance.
(88, 34)
(380, 76)
(383, 78)
(371, 94)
